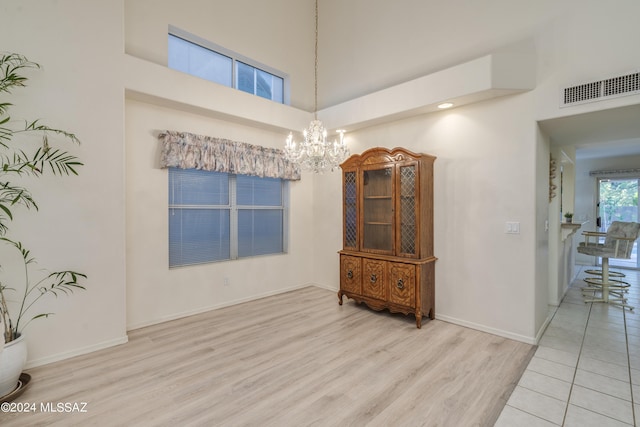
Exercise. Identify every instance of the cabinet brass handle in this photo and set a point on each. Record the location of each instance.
(373, 278)
(350, 274)
(400, 284)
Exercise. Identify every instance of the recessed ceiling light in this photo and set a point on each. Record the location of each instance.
(445, 105)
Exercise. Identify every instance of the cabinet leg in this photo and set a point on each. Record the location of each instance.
(418, 320)
(340, 297)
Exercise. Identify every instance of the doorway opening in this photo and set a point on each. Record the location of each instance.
(618, 201)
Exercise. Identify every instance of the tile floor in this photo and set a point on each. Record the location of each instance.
(586, 370)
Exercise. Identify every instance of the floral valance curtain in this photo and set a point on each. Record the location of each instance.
(189, 151)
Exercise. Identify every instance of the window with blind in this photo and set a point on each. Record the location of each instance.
(217, 216)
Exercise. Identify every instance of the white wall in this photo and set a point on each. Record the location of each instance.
(477, 262)
(82, 88)
(369, 45)
(208, 110)
(542, 264)
(590, 42)
(504, 276)
(81, 223)
(277, 33)
(155, 293)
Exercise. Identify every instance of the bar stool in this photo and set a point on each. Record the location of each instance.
(618, 243)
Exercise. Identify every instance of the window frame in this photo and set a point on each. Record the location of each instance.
(233, 207)
(235, 58)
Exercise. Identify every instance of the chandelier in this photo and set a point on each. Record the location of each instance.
(315, 153)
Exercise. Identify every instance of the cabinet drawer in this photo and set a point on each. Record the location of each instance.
(402, 284)
(373, 278)
(350, 274)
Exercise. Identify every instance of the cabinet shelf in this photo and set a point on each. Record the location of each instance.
(378, 223)
(377, 197)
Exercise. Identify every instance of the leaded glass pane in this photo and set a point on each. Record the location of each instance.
(408, 209)
(350, 213)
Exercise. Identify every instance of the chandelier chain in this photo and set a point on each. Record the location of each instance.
(315, 72)
(314, 152)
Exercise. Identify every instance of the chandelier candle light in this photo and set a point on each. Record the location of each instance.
(315, 153)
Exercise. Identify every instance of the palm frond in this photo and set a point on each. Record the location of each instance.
(18, 163)
(59, 162)
(56, 283)
(4, 107)
(35, 126)
(10, 196)
(10, 65)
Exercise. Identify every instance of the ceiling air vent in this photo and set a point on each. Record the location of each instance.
(604, 89)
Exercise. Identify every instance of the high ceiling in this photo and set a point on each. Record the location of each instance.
(371, 45)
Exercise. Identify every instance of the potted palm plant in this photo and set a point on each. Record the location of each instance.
(20, 293)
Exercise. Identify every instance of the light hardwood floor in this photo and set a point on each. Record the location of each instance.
(297, 359)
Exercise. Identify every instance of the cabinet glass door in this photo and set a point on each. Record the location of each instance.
(408, 206)
(350, 210)
(377, 208)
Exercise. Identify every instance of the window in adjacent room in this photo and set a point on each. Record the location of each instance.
(198, 57)
(217, 216)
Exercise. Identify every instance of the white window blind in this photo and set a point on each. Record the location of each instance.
(216, 216)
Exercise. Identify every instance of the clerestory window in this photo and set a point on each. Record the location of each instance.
(193, 55)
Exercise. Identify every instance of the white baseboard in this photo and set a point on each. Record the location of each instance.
(125, 339)
(544, 327)
(478, 327)
(329, 288)
(483, 328)
(77, 352)
(205, 309)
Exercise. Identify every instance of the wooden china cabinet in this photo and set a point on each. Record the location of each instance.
(387, 259)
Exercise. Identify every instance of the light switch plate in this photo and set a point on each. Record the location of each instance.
(512, 228)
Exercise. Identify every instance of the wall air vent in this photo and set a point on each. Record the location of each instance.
(613, 87)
